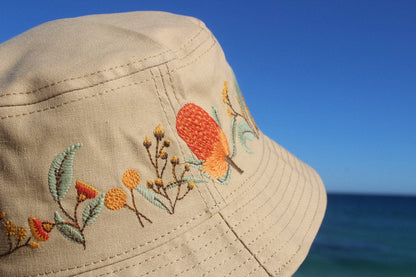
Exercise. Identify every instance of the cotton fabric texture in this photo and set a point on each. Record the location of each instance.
(128, 150)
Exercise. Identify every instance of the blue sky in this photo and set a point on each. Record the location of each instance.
(332, 81)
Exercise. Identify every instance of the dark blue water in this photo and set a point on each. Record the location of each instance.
(364, 235)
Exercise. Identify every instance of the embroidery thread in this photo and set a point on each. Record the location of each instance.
(59, 181)
(157, 191)
(207, 141)
(246, 129)
(16, 235)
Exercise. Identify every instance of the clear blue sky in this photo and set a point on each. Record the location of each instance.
(334, 82)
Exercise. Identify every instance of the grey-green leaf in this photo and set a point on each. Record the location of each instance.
(216, 116)
(151, 196)
(93, 210)
(68, 231)
(245, 133)
(58, 218)
(233, 134)
(60, 172)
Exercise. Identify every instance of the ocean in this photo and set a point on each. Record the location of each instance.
(364, 235)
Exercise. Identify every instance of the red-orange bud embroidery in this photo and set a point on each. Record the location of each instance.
(85, 191)
(40, 229)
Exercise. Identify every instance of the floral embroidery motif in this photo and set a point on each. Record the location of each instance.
(247, 129)
(60, 180)
(207, 141)
(158, 191)
(16, 235)
(204, 136)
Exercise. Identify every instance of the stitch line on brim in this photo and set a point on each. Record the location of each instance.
(107, 69)
(167, 251)
(308, 232)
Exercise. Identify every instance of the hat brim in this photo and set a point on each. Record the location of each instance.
(266, 230)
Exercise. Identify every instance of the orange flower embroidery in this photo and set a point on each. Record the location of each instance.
(131, 179)
(206, 140)
(85, 191)
(115, 199)
(40, 229)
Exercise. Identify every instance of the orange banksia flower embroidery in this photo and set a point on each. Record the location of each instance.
(40, 229)
(207, 141)
(85, 191)
(115, 199)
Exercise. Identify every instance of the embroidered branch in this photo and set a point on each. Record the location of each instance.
(16, 235)
(159, 161)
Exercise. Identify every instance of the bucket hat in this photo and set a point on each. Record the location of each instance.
(127, 149)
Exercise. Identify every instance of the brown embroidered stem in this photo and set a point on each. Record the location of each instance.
(232, 163)
(150, 157)
(163, 169)
(157, 158)
(183, 196)
(235, 113)
(142, 215)
(161, 203)
(64, 211)
(75, 213)
(67, 223)
(17, 247)
(135, 208)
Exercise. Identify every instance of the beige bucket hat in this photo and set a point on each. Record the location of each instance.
(127, 150)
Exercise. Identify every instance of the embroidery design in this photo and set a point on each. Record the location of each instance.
(204, 136)
(247, 128)
(71, 228)
(159, 191)
(16, 235)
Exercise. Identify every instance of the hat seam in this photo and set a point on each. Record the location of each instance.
(245, 246)
(297, 206)
(230, 228)
(107, 69)
(168, 251)
(99, 93)
(167, 116)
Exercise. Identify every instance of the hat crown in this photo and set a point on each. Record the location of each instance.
(125, 137)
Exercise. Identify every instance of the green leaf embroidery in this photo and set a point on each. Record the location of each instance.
(245, 133)
(195, 180)
(195, 162)
(233, 131)
(216, 116)
(151, 196)
(93, 210)
(68, 231)
(60, 172)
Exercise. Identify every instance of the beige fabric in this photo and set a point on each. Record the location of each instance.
(107, 81)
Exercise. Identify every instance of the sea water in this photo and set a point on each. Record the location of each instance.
(364, 235)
